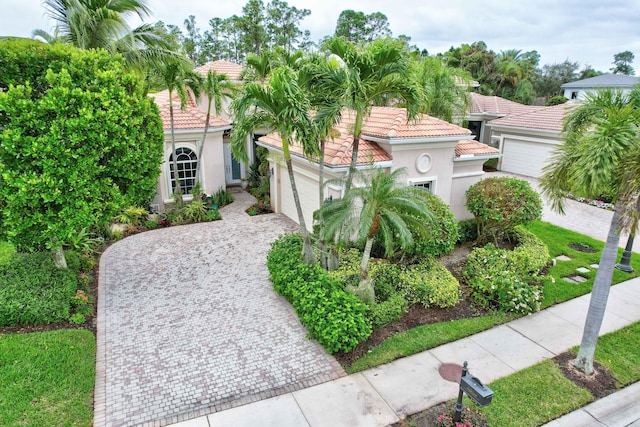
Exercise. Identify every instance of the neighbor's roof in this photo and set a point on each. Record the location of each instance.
(384, 122)
(604, 80)
(188, 118)
(231, 69)
(544, 118)
(471, 147)
(495, 105)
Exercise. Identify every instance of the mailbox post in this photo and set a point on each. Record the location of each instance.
(479, 393)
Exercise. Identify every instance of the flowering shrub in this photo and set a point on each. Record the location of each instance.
(508, 280)
(597, 203)
(468, 419)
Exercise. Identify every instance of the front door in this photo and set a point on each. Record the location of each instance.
(231, 166)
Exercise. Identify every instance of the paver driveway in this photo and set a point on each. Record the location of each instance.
(189, 324)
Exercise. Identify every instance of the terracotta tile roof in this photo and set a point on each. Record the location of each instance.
(231, 69)
(391, 122)
(496, 105)
(474, 148)
(544, 118)
(337, 152)
(384, 122)
(188, 118)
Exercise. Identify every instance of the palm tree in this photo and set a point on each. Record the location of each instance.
(375, 74)
(91, 24)
(445, 90)
(600, 146)
(215, 86)
(281, 106)
(379, 207)
(177, 77)
(328, 110)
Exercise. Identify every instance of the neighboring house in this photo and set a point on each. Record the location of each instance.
(527, 140)
(579, 89)
(439, 156)
(483, 109)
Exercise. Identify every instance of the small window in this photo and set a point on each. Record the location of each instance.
(187, 164)
(574, 95)
(427, 185)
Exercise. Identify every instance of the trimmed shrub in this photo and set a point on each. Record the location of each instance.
(33, 291)
(333, 316)
(508, 280)
(383, 313)
(440, 237)
(442, 234)
(426, 282)
(500, 204)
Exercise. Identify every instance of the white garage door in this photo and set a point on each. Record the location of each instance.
(525, 157)
(308, 192)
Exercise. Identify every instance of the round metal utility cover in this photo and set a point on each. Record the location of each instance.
(450, 372)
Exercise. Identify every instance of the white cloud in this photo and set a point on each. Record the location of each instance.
(587, 31)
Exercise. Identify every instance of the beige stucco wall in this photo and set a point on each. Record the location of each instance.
(441, 156)
(465, 174)
(212, 168)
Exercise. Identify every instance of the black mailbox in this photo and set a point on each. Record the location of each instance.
(478, 392)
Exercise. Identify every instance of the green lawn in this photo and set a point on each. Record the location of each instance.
(557, 240)
(541, 393)
(556, 290)
(47, 378)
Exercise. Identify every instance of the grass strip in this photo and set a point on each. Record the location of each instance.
(423, 338)
(533, 396)
(47, 378)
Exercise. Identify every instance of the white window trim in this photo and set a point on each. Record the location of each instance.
(191, 145)
(433, 180)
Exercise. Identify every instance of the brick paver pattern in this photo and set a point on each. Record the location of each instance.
(189, 324)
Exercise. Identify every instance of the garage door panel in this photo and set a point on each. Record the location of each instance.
(308, 193)
(525, 157)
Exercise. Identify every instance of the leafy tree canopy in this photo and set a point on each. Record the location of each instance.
(622, 63)
(360, 27)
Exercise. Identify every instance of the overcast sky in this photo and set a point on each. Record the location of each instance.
(587, 31)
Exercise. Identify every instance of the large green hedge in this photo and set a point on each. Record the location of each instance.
(333, 316)
(79, 141)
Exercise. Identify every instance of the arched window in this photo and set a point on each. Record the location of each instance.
(187, 164)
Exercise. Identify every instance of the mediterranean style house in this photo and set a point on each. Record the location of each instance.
(439, 156)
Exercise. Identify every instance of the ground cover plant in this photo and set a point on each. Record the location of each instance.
(47, 378)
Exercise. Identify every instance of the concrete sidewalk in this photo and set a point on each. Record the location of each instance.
(388, 393)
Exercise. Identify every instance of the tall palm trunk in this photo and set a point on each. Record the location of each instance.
(177, 192)
(365, 290)
(599, 296)
(307, 250)
(201, 145)
(357, 129)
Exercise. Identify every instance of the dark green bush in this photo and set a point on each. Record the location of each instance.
(508, 280)
(333, 316)
(499, 204)
(467, 231)
(383, 313)
(442, 234)
(556, 100)
(34, 292)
